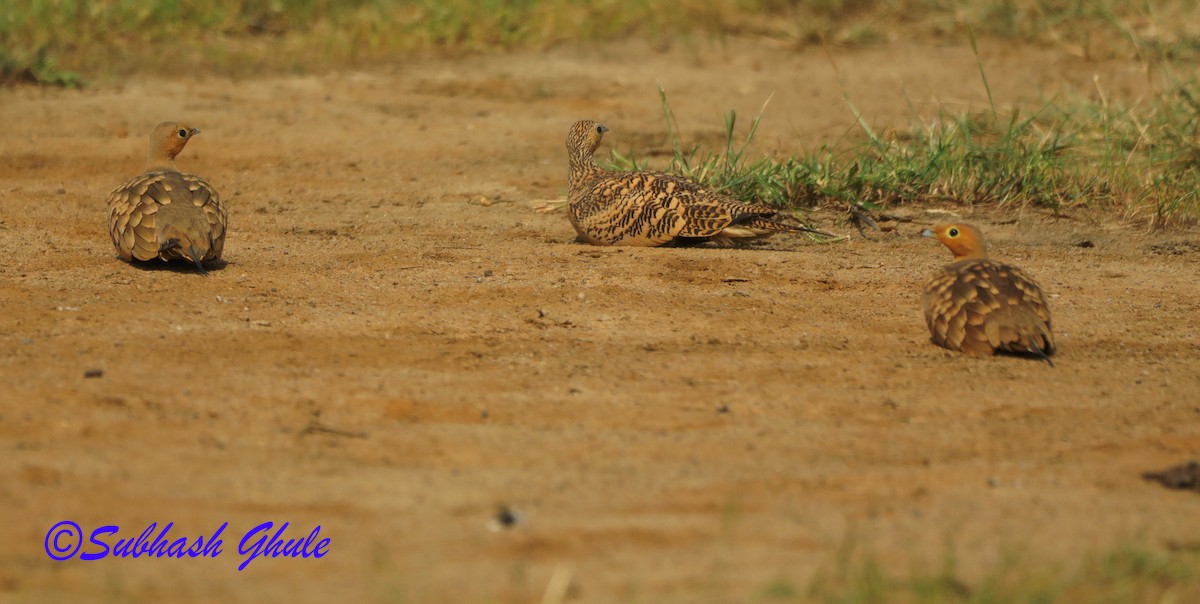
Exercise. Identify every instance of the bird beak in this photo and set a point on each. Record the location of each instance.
(603, 128)
(928, 233)
(195, 131)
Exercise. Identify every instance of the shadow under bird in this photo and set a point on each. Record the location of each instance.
(979, 306)
(164, 213)
(654, 208)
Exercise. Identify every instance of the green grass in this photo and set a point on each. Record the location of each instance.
(1125, 575)
(1142, 161)
(257, 35)
(102, 36)
(1121, 575)
(36, 68)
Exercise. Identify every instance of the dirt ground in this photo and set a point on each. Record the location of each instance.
(399, 346)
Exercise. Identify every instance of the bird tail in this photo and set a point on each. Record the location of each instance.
(774, 225)
(175, 247)
(1037, 337)
(1019, 330)
(178, 241)
(1034, 345)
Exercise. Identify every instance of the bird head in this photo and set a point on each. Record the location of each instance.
(167, 140)
(964, 240)
(583, 138)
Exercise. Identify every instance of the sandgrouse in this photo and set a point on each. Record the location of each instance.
(978, 306)
(653, 208)
(165, 213)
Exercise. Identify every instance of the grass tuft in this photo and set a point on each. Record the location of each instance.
(1143, 161)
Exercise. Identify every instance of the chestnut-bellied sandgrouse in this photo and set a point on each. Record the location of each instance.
(165, 213)
(978, 306)
(653, 208)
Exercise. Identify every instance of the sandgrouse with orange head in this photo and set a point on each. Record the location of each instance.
(165, 213)
(979, 306)
(653, 208)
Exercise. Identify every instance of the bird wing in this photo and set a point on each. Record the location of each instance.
(653, 208)
(134, 206)
(979, 306)
(635, 208)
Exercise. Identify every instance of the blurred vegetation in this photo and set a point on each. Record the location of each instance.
(1143, 159)
(115, 36)
(1125, 575)
(37, 68)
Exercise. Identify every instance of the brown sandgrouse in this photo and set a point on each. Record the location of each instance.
(164, 213)
(653, 208)
(978, 306)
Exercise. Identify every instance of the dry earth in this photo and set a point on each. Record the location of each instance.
(398, 345)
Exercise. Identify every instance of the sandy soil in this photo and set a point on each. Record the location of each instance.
(399, 346)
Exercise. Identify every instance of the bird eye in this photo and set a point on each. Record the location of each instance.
(599, 129)
(182, 133)
(954, 232)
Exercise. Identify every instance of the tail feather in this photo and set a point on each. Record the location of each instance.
(777, 226)
(196, 259)
(173, 244)
(185, 232)
(1034, 345)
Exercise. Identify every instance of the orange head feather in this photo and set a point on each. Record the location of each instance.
(964, 240)
(167, 140)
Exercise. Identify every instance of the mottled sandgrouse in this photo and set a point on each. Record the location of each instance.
(978, 306)
(164, 213)
(653, 208)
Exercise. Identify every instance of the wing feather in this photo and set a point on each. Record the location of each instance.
(980, 306)
(134, 207)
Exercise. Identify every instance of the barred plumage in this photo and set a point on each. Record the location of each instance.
(653, 208)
